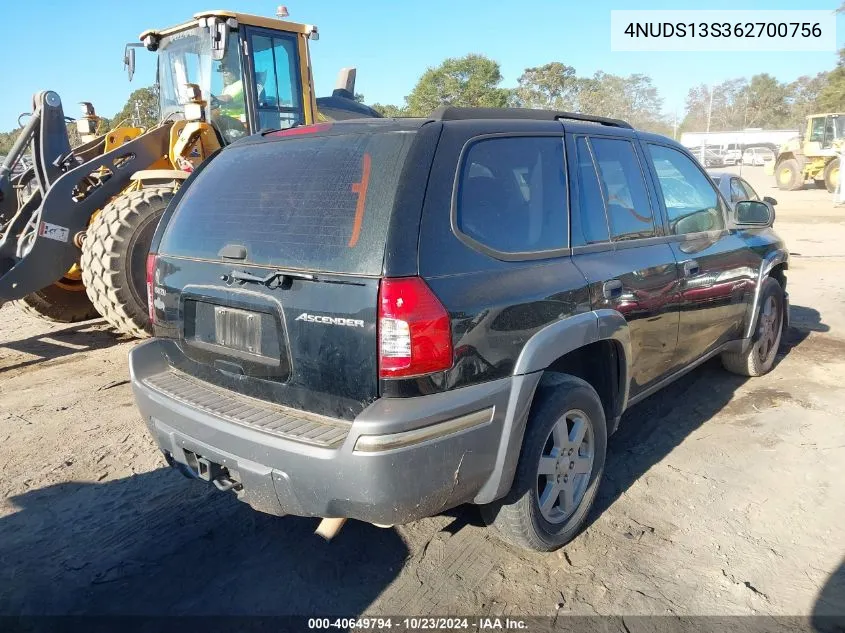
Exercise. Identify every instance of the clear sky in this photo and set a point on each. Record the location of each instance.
(76, 48)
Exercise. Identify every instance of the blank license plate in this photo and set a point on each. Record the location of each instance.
(237, 329)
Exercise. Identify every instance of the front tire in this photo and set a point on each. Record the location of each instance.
(831, 175)
(788, 175)
(58, 304)
(114, 256)
(559, 470)
(759, 358)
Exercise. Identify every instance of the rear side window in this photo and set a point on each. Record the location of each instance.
(589, 225)
(512, 195)
(628, 208)
(315, 202)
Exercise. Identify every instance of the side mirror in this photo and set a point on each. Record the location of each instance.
(129, 60)
(770, 200)
(753, 213)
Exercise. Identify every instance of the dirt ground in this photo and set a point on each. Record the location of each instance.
(722, 495)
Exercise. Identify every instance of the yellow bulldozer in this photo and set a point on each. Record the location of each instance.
(76, 226)
(812, 156)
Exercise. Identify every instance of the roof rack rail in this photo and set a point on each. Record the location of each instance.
(451, 113)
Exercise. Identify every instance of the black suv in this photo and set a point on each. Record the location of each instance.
(382, 319)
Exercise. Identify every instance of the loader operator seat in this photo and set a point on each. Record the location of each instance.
(228, 109)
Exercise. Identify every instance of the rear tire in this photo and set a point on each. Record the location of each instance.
(759, 358)
(519, 517)
(114, 257)
(831, 175)
(788, 175)
(58, 304)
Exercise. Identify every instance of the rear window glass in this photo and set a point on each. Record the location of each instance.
(315, 203)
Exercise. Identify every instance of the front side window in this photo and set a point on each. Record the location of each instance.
(741, 190)
(628, 208)
(228, 108)
(278, 98)
(512, 194)
(817, 130)
(749, 190)
(737, 191)
(183, 58)
(692, 204)
(838, 126)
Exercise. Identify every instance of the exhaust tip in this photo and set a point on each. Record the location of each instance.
(329, 528)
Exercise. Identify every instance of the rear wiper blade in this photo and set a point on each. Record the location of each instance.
(272, 280)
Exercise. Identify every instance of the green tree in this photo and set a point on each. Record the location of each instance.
(389, 110)
(7, 139)
(141, 109)
(762, 101)
(832, 96)
(634, 98)
(767, 102)
(552, 86)
(728, 110)
(804, 95)
(471, 81)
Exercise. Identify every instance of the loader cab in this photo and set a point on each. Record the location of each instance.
(253, 72)
(824, 130)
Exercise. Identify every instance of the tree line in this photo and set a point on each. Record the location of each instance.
(760, 101)
(476, 81)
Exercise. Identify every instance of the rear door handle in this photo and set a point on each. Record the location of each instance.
(691, 268)
(612, 289)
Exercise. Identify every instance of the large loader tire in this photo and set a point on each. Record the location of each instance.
(831, 175)
(58, 303)
(114, 256)
(788, 175)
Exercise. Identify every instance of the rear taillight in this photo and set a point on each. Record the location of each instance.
(151, 271)
(415, 337)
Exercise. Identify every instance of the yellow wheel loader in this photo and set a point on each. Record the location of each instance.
(813, 156)
(76, 226)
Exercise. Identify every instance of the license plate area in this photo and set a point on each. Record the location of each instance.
(235, 340)
(237, 329)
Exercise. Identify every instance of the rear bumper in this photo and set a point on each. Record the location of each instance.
(420, 456)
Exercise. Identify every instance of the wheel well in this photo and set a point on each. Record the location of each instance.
(784, 156)
(778, 273)
(601, 364)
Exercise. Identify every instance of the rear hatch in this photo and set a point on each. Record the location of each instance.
(267, 274)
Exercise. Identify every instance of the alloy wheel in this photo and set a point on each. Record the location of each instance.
(566, 462)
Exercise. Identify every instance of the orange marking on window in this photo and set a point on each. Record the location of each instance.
(361, 189)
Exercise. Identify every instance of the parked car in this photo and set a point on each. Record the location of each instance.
(732, 156)
(736, 189)
(713, 159)
(709, 158)
(757, 156)
(384, 319)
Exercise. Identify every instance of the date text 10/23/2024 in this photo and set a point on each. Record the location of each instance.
(423, 623)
